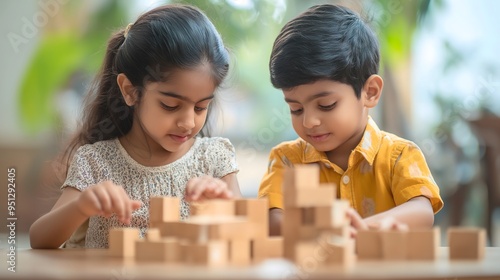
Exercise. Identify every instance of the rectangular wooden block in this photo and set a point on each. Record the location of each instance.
(394, 244)
(368, 245)
(122, 241)
(239, 252)
(213, 207)
(466, 243)
(341, 252)
(311, 197)
(267, 248)
(201, 231)
(213, 253)
(163, 209)
(302, 176)
(333, 215)
(257, 213)
(165, 250)
(153, 234)
(423, 244)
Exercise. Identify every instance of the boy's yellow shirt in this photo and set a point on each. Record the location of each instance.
(384, 171)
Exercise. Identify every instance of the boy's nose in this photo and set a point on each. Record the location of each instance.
(310, 120)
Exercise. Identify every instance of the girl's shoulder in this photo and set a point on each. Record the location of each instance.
(105, 147)
(212, 143)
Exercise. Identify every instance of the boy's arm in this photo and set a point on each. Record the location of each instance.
(275, 221)
(416, 213)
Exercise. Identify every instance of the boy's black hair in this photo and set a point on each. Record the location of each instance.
(325, 42)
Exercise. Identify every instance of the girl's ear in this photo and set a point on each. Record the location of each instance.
(372, 90)
(127, 89)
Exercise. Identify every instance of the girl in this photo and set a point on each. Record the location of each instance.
(139, 134)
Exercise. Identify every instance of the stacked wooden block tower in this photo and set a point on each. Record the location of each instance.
(316, 231)
(218, 232)
(315, 226)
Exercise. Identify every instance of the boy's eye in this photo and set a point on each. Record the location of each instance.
(296, 111)
(168, 108)
(328, 107)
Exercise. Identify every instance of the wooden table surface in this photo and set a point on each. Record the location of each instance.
(96, 264)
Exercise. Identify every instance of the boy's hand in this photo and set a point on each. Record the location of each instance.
(389, 223)
(206, 187)
(105, 199)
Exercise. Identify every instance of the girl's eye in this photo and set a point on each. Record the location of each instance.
(199, 109)
(295, 112)
(328, 107)
(168, 108)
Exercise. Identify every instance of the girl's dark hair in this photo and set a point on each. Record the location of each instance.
(165, 39)
(325, 42)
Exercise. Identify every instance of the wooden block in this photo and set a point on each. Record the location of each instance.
(201, 231)
(122, 241)
(170, 229)
(310, 254)
(466, 243)
(267, 248)
(302, 176)
(257, 213)
(423, 244)
(340, 251)
(163, 209)
(212, 253)
(213, 207)
(292, 220)
(394, 244)
(239, 252)
(307, 215)
(153, 234)
(368, 245)
(333, 215)
(311, 197)
(165, 250)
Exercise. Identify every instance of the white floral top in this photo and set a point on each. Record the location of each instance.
(108, 160)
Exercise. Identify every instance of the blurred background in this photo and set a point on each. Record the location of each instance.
(440, 64)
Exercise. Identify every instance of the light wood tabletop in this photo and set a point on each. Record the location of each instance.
(96, 264)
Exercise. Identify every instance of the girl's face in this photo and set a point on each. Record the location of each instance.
(173, 112)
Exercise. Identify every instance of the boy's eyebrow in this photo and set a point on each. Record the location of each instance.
(183, 98)
(310, 98)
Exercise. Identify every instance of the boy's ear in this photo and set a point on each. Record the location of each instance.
(372, 90)
(127, 89)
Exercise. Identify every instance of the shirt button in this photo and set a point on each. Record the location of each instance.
(327, 165)
(345, 179)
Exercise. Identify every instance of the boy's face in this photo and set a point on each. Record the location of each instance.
(328, 115)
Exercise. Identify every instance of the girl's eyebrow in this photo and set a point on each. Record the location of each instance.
(310, 98)
(183, 98)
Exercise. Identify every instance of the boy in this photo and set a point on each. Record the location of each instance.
(326, 62)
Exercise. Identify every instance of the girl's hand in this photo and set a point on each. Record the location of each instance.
(106, 198)
(206, 187)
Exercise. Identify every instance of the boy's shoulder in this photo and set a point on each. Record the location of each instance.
(297, 151)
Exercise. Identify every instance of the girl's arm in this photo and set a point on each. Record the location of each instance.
(74, 207)
(54, 228)
(232, 184)
(416, 213)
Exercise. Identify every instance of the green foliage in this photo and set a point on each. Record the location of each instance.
(53, 63)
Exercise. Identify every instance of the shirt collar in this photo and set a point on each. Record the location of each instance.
(368, 147)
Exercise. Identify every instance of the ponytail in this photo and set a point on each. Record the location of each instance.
(105, 113)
